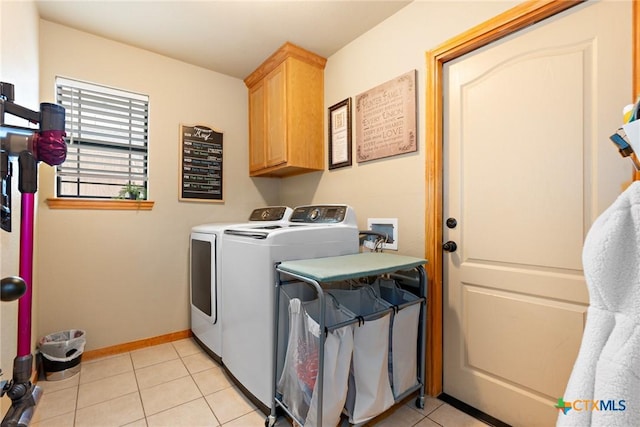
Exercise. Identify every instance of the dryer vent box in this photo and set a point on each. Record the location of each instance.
(388, 226)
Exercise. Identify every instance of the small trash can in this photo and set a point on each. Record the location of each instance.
(61, 353)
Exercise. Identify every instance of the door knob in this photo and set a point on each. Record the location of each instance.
(12, 288)
(449, 246)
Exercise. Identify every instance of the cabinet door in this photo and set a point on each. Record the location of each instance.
(275, 84)
(257, 128)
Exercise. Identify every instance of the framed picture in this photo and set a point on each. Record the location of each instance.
(340, 134)
(386, 119)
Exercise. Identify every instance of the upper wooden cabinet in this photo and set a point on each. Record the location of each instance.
(286, 113)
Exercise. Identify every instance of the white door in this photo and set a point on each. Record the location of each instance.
(528, 166)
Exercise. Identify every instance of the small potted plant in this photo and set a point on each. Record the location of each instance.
(132, 192)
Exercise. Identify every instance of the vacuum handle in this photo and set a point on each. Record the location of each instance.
(28, 168)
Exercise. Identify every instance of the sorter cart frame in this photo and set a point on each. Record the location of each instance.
(333, 269)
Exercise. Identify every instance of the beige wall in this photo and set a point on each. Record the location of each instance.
(123, 275)
(392, 187)
(18, 65)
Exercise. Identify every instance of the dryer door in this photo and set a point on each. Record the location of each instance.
(203, 283)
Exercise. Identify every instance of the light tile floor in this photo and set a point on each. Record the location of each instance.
(178, 384)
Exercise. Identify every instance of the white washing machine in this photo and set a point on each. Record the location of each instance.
(250, 255)
(205, 274)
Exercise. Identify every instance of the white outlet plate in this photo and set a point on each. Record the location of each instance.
(388, 226)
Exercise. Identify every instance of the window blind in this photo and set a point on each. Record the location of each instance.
(107, 140)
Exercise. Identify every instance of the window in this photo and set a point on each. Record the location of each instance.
(107, 141)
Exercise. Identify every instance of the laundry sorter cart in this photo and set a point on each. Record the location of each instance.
(329, 369)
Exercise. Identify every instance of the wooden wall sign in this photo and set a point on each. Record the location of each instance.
(386, 119)
(200, 164)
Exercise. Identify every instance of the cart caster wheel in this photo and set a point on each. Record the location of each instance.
(420, 402)
(270, 421)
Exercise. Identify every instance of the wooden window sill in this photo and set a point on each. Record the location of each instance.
(100, 204)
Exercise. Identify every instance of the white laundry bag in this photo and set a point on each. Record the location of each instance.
(369, 392)
(403, 351)
(298, 383)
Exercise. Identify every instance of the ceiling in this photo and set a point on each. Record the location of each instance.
(232, 37)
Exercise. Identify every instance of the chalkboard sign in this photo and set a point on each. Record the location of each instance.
(200, 164)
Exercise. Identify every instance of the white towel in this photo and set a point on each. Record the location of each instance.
(607, 371)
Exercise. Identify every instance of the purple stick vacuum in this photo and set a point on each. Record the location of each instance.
(30, 146)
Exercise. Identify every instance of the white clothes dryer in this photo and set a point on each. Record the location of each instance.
(205, 274)
(248, 274)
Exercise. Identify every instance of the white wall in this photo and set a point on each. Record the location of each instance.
(391, 187)
(18, 65)
(123, 275)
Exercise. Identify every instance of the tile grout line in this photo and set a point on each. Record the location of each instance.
(135, 375)
(202, 394)
(205, 398)
(196, 383)
(75, 404)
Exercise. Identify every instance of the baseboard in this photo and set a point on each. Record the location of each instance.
(135, 345)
